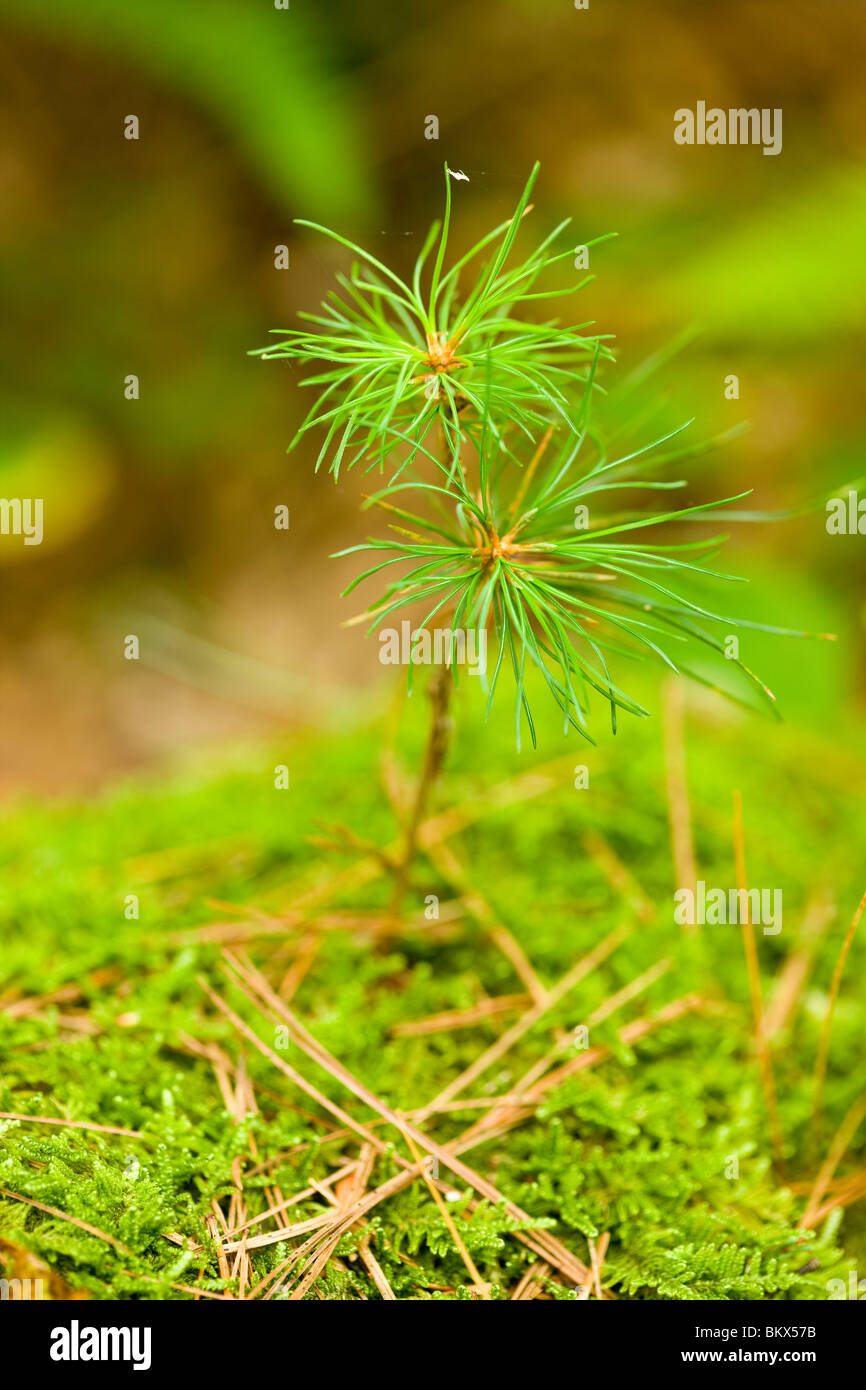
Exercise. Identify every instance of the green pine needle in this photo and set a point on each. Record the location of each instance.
(395, 357)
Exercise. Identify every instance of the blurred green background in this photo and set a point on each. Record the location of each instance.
(156, 257)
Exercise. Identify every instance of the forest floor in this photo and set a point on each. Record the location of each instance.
(232, 1068)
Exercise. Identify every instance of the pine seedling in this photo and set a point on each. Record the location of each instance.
(502, 518)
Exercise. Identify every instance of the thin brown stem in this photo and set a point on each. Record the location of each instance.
(679, 812)
(438, 736)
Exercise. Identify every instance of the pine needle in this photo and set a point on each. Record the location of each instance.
(838, 1147)
(754, 974)
(481, 1287)
(827, 1025)
(73, 1220)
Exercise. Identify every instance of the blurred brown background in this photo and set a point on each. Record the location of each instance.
(156, 257)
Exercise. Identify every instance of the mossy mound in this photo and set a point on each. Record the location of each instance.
(660, 1143)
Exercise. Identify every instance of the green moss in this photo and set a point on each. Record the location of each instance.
(639, 1146)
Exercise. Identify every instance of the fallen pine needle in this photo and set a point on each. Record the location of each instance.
(827, 1025)
(765, 1061)
(841, 1140)
(64, 1216)
(449, 1222)
(70, 1124)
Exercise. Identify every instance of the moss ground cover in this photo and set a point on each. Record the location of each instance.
(634, 1138)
